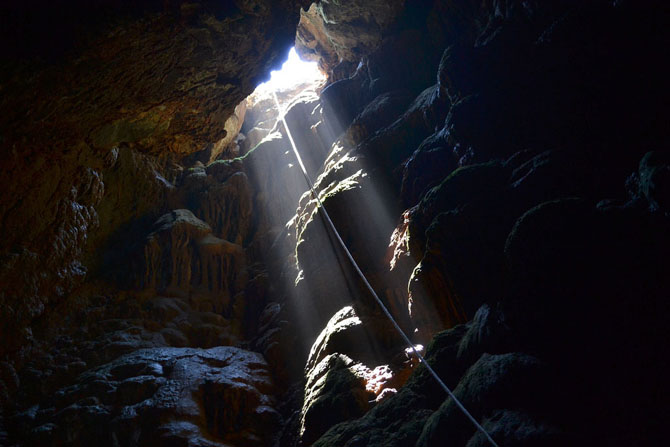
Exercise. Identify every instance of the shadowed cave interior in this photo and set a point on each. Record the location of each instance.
(499, 170)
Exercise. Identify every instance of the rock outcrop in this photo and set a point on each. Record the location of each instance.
(211, 397)
(345, 375)
(333, 33)
(476, 160)
(183, 254)
(160, 78)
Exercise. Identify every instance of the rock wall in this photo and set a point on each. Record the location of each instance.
(82, 83)
(102, 102)
(497, 136)
(498, 169)
(338, 35)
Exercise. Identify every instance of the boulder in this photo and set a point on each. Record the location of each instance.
(398, 420)
(335, 391)
(343, 332)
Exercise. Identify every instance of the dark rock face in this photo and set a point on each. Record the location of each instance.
(335, 391)
(312, 42)
(161, 78)
(167, 396)
(217, 56)
(335, 34)
(183, 254)
(498, 169)
(502, 167)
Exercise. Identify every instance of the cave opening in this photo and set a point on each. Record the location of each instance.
(294, 72)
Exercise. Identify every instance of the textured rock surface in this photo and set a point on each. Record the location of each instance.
(217, 54)
(161, 78)
(344, 375)
(459, 156)
(221, 196)
(177, 396)
(312, 42)
(349, 31)
(500, 164)
(183, 254)
(653, 183)
(228, 146)
(335, 391)
(398, 420)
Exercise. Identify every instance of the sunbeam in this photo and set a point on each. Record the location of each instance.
(318, 279)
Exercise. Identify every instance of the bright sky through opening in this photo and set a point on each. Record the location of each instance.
(294, 72)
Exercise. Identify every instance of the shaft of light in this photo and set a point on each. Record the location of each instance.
(369, 287)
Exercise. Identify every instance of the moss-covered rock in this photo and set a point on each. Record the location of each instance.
(398, 420)
(335, 392)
